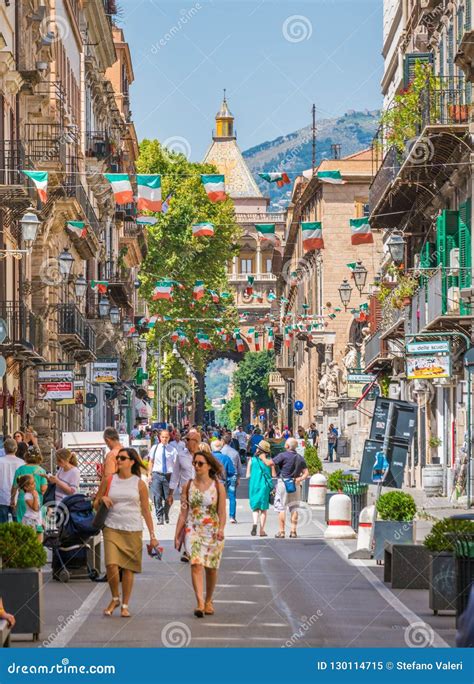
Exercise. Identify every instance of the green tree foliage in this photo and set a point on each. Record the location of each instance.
(231, 414)
(312, 459)
(397, 506)
(251, 378)
(174, 254)
(20, 548)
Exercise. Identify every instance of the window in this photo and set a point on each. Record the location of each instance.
(268, 265)
(246, 265)
(361, 207)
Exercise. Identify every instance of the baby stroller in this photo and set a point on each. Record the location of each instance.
(69, 539)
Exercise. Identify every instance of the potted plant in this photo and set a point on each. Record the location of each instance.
(336, 481)
(395, 513)
(314, 466)
(442, 572)
(402, 294)
(434, 443)
(22, 557)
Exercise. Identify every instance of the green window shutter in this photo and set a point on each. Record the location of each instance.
(409, 65)
(467, 24)
(447, 233)
(465, 252)
(426, 255)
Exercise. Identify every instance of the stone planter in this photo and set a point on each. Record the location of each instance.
(391, 531)
(442, 576)
(22, 592)
(326, 507)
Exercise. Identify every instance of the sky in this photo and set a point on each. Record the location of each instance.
(274, 57)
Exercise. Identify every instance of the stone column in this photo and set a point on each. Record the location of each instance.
(235, 265)
(259, 260)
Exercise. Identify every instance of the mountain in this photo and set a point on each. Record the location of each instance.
(292, 153)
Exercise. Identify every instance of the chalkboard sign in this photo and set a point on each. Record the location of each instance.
(396, 457)
(403, 422)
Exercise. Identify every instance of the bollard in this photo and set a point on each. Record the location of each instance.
(339, 523)
(365, 536)
(318, 486)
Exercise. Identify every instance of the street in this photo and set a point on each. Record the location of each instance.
(275, 593)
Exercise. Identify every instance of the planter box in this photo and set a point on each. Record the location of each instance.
(22, 592)
(391, 531)
(442, 577)
(326, 507)
(406, 566)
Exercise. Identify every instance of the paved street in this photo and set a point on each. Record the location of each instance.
(301, 592)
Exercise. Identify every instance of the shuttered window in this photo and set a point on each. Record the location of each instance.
(465, 253)
(411, 59)
(468, 20)
(447, 235)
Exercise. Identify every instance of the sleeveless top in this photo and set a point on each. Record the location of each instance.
(125, 514)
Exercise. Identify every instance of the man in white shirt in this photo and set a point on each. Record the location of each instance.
(242, 438)
(8, 467)
(183, 470)
(161, 463)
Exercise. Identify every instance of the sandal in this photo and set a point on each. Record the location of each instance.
(199, 612)
(208, 608)
(280, 535)
(115, 602)
(263, 534)
(125, 613)
(253, 531)
(293, 535)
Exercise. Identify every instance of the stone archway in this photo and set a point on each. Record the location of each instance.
(232, 355)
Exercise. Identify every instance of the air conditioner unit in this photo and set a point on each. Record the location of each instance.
(453, 299)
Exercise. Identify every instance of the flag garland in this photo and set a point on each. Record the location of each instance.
(121, 187)
(280, 179)
(198, 290)
(149, 192)
(40, 180)
(270, 339)
(163, 290)
(99, 286)
(77, 228)
(203, 229)
(266, 232)
(312, 233)
(146, 220)
(215, 296)
(214, 185)
(361, 232)
(249, 288)
(333, 177)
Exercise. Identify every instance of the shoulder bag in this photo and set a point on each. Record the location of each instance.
(268, 481)
(101, 515)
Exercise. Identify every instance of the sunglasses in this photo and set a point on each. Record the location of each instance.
(198, 464)
(123, 458)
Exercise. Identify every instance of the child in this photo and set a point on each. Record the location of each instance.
(32, 516)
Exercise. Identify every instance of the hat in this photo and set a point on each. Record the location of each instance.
(264, 446)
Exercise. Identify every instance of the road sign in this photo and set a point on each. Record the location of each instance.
(91, 400)
(299, 406)
(261, 412)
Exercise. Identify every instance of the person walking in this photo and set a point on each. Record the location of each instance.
(254, 440)
(111, 438)
(160, 468)
(9, 464)
(201, 523)
(242, 438)
(313, 435)
(292, 471)
(183, 471)
(135, 432)
(260, 470)
(232, 482)
(126, 496)
(67, 477)
(332, 442)
(31, 466)
(32, 515)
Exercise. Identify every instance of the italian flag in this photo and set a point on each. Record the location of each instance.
(271, 296)
(152, 321)
(266, 231)
(203, 340)
(40, 180)
(214, 187)
(215, 296)
(77, 228)
(361, 232)
(256, 341)
(203, 229)
(287, 338)
(258, 297)
(198, 290)
(270, 339)
(174, 336)
(293, 279)
(280, 179)
(239, 343)
(149, 192)
(146, 220)
(312, 233)
(182, 338)
(249, 288)
(163, 290)
(333, 177)
(100, 286)
(121, 187)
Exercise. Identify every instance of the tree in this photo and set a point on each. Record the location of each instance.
(231, 413)
(251, 378)
(173, 254)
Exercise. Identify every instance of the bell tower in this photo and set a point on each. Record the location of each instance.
(224, 123)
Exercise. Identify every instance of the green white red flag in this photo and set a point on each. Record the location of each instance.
(203, 229)
(198, 290)
(270, 339)
(280, 179)
(148, 192)
(361, 232)
(214, 186)
(40, 180)
(100, 286)
(333, 177)
(146, 220)
(312, 233)
(215, 296)
(266, 232)
(77, 228)
(163, 290)
(121, 187)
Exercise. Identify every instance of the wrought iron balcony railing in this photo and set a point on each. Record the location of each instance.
(24, 329)
(12, 160)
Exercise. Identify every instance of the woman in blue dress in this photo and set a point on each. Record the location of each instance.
(260, 470)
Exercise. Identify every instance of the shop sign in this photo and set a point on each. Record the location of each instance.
(55, 385)
(105, 371)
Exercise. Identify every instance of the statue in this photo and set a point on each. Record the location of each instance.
(323, 382)
(351, 358)
(333, 383)
(365, 336)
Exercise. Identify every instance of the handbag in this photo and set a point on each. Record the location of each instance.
(101, 515)
(290, 485)
(268, 482)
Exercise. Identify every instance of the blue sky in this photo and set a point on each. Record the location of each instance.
(275, 57)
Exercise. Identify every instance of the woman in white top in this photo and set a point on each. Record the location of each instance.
(32, 515)
(126, 496)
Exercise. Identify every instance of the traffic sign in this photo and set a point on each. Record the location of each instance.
(261, 412)
(91, 400)
(299, 406)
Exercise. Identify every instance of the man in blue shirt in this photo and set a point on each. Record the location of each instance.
(230, 480)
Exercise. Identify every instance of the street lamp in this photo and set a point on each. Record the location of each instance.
(360, 276)
(136, 283)
(396, 246)
(80, 286)
(29, 223)
(104, 306)
(345, 292)
(127, 326)
(66, 261)
(114, 314)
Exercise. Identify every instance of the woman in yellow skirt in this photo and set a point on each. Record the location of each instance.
(126, 496)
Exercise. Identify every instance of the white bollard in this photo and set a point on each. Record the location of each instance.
(339, 523)
(318, 486)
(365, 536)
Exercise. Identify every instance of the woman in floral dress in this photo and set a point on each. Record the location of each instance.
(201, 523)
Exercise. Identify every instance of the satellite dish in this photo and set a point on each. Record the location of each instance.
(3, 366)
(3, 330)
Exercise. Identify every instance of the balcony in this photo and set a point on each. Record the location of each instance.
(258, 277)
(276, 382)
(257, 217)
(51, 146)
(88, 353)
(405, 180)
(14, 185)
(98, 145)
(24, 338)
(71, 328)
(120, 287)
(376, 352)
(443, 308)
(392, 325)
(134, 238)
(465, 55)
